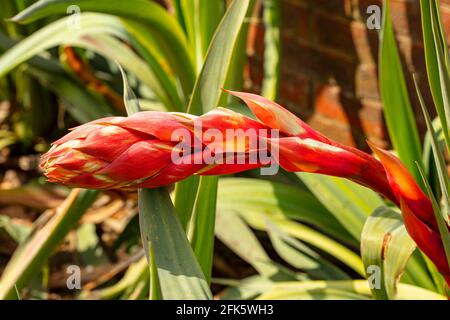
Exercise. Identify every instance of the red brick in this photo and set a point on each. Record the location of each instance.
(256, 71)
(331, 128)
(371, 117)
(366, 81)
(327, 103)
(445, 14)
(335, 7)
(297, 20)
(255, 42)
(296, 88)
(365, 42)
(334, 33)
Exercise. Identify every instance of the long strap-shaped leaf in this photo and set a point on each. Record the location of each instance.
(31, 255)
(196, 197)
(349, 202)
(318, 289)
(202, 19)
(436, 58)
(79, 101)
(149, 13)
(385, 250)
(174, 271)
(179, 274)
(397, 107)
(250, 203)
(272, 50)
(95, 34)
(207, 89)
(441, 215)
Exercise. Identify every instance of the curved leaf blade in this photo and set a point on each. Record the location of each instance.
(180, 275)
(397, 106)
(385, 250)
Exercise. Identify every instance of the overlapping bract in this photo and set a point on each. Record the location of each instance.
(137, 151)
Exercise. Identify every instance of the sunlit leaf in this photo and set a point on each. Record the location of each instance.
(397, 106)
(385, 249)
(31, 254)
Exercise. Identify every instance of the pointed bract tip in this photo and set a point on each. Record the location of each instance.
(387, 159)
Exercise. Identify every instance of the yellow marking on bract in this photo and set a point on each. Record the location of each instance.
(322, 146)
(184, 116)
(161, 146)
(211, 166)
(286, 120)
(406, 184)
(402, 178)
(110, 130)
(91, 167)
(102, 178)
(307, 167)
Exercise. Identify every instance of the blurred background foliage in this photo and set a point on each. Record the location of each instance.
(288, 236)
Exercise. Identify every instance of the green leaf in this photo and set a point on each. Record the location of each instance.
(57, 33)
(180, 275)
(247, 202)
(81, 104)
(301, 256)
(143, 40)
(385, 250)
(341, 289)
(439, 160)
(397, 107)
(131, 102)
(207, 89)
(349, 202)
(239, 59)
(442, 216)
(205, 97)
(201, 19)
(174, 271)
(155, 284)
(436, 58)
(278, 200)
(98, 34)
(184, 199)
(31, 255)
(272, 48)
(418, 272)
(201, 227)
(166, 29)
(134, 273)
(427, 157)
(237, 235)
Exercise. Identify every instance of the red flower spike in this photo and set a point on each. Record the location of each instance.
(122, 143)
(137, 152)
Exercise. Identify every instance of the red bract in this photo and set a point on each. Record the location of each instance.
(417, 211)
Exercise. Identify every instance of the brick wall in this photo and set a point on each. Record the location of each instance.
(329, 64)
